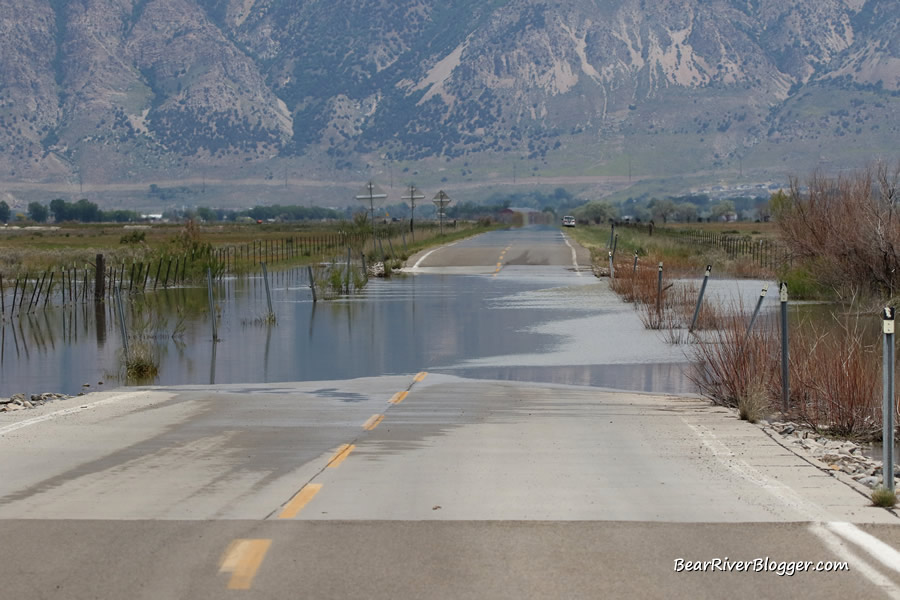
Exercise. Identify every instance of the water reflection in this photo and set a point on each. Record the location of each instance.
(661, 378)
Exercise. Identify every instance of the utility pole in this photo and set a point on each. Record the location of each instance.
(371, 193)
(411, 197)
(441, 200)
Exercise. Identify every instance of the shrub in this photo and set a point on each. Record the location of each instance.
(883, 497)
(141, 364)
(730, 365)
(847, 229)
(135, 237)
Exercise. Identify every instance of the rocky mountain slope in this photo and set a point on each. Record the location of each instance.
(132, 90)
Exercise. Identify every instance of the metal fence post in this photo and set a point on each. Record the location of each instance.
(348, 269)
(268, 291)
(312, 283)
(212, 306)
(700, 298)
(634, 268)
(785, 384)
(122, 322)
(762, 296)
(887, 468)
(659, 289)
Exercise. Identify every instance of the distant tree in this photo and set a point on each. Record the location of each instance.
(4, 212)
(61, 210)
(595, 211)
(686, 211)
(37, 212)
(207, 214)
(721, 209)
(86, 211)
(662, 209)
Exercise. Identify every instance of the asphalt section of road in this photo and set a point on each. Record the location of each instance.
(151, 560)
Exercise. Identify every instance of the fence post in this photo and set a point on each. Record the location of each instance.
(312, 282)
(634, 269)
(612, 271)
(659, 290)
(762, 296)
(268, 291)
(212, 306)
(888, 407)
(700, 298)
(122, 322)
(348, 269)
(785, 384)
(99, 279)
(47, 293)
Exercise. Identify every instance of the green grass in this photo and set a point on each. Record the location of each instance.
(24, 251)
(883, 498)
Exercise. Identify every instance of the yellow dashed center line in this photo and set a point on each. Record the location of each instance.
(308, 492)
(373, 422)
(300, 500)
(341, 455)
(242, 559)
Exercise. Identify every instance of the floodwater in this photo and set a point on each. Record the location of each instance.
(531, 323)
(541, 324)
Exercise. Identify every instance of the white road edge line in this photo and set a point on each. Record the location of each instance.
(429, 253)
(882, 552)
(66, 411)
(839, 548)
(574, 256)
(824, 532)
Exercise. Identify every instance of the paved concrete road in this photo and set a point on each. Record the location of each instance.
(420, 485)
(490, 254)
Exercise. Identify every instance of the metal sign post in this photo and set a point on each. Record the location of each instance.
(785, 384)
(762, 296)
(887, 468)
(700, 298)
(659, 290)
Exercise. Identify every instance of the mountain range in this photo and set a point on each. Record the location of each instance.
(116, 95)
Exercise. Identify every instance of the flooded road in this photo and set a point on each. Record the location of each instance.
(515, 304)
(441, 477)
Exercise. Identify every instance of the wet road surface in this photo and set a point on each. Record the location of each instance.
(429, 484)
